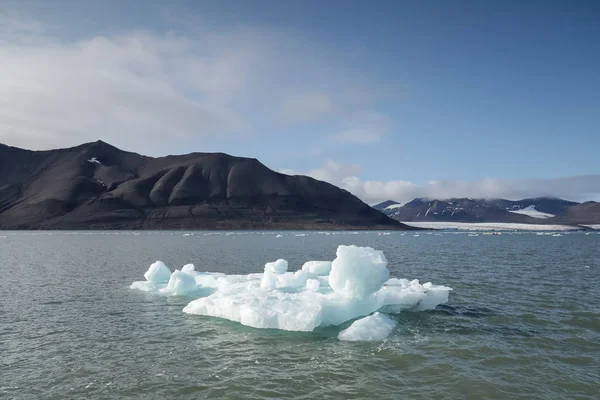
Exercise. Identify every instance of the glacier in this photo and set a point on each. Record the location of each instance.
(354, 285)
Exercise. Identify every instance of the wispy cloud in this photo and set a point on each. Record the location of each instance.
(364, 128)
(307, 107)
(136, 87)
(576, 188)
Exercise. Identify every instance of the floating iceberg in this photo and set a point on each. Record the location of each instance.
(323, 293)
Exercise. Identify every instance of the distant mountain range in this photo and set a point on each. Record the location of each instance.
(541, 210)
(97, 186)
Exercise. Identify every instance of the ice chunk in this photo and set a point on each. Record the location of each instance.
(287, 281)
(358, 271)
(180, 283)
(287, 308)
(313, 284)
(434, 295)
(373, 328)
(402, 294)
(253, 306)
(158, 273)
(272, 270)
(188, 268)
(276, 267)
(321, 268)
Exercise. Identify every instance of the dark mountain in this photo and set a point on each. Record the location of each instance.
(548, 205)
(456, 210)
(98, 186)
(389, 207)
(543, 210)
(584, 213)
(382, 206)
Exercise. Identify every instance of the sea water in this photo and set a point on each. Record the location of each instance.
(522, 321)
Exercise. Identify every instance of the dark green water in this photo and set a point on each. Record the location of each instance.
(523, 321)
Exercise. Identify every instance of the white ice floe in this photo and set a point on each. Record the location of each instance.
(322, 293)
(490, 226)
(317, 267)
(532, 212)
(373, 328)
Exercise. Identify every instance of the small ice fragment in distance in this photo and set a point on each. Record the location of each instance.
(279, 236)
(158, 273)
(358, 271)
(188, 268)
(373, 328)
(320, 268)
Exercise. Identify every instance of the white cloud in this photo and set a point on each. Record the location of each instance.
(139, 90)
(577, 188)
(358, 136)
(13, 24)
(364, 128)
(130, 88)
(307, 107)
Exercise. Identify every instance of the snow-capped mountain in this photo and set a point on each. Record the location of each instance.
(535, 210)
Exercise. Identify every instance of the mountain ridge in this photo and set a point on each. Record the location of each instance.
(538, 210)
(98, 186)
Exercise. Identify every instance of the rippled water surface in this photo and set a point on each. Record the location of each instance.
(523, 321)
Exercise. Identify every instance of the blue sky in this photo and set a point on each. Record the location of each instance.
(386, 99)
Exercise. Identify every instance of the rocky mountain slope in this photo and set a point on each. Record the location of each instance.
(97, 186)
(543, 210)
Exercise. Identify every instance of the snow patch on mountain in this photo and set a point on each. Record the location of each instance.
(394, 206)
(532, 212)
